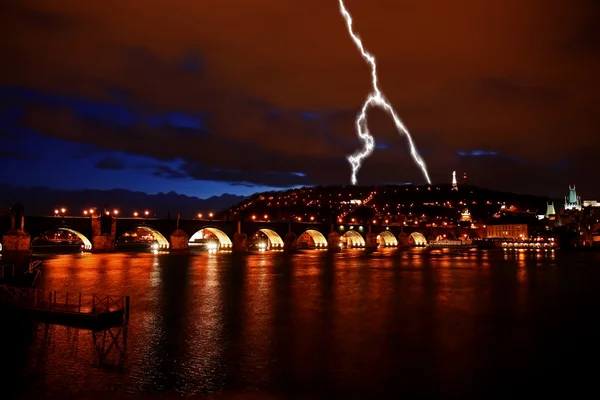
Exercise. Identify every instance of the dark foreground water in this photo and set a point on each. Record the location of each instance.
(388, 325)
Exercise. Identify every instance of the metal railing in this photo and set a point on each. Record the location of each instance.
(51, 300)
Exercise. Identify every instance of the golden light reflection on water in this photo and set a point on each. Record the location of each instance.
(205, 322)
(257, 303)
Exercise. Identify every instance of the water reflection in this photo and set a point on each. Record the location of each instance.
(317, 324)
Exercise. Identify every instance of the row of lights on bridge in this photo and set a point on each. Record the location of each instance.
(62, 211)
(266, 217)
(312, 218)
(91, 211)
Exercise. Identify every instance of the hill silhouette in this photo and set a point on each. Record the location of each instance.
(329, 203)
(43, 201)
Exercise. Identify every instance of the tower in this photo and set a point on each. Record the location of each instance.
(550, 210)
(572, 201)
(454, 183)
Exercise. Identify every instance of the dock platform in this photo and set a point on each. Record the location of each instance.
(95, 312)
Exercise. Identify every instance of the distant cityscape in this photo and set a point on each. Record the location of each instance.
(427, 214)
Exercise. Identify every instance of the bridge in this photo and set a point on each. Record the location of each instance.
(105, 232)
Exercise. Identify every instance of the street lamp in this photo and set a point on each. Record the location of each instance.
(253, 217)
(135, 214)
(85, 212)
(200, 215)
(210, 215)
(146, 213)
(116, 212)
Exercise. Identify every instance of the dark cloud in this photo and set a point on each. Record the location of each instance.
(218, 90)
(110, 163)
(7, 153)
(247, 176)
(168, 172)
(248, 185)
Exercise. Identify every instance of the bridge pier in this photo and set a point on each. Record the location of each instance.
(179, 241)
(16, 242)
(371, 242)
(403, 240)
(103, 243)
(333, 242)
(289, 242)
(240, 240)
(103, 240)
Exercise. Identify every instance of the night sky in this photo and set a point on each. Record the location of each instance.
(213, 96)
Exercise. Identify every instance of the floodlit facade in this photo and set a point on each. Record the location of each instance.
(572, 201)
(550, 210)
(465, 215)
(508, 228)
(591, 203)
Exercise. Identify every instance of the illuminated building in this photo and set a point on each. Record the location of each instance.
(572, 201)
(465, 215)
(454, 183)
(591, 203)
(508, 228)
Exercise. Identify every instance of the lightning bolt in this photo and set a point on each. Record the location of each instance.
(375, 99)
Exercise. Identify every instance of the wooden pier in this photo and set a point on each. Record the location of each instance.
(69, 309)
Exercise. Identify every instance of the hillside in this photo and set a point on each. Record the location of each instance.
(327, 203)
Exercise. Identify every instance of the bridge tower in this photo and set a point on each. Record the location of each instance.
(16, 242)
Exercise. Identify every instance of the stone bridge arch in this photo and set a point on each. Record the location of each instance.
(211, 233)
(312, 237)
(273, 238)
(161, 241)
(417, 239)
(353, 239)
(86, 243)
(387, 239)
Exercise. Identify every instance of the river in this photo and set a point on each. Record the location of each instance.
(413, 324)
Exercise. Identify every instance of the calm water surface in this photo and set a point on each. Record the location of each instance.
(314, 325)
